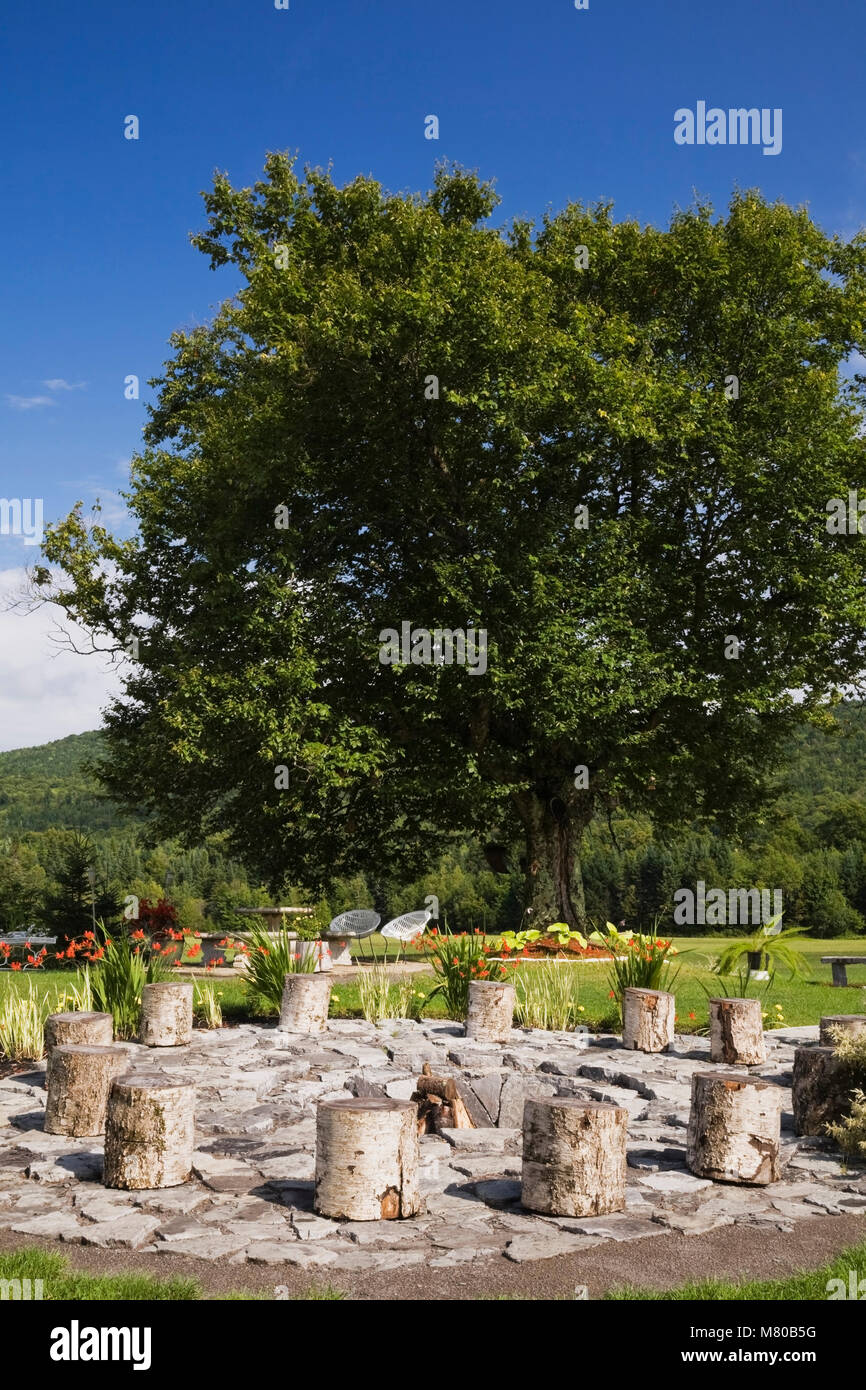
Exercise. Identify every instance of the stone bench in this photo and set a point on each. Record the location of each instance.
(840, 965)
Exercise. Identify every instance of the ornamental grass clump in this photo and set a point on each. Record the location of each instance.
(206, 1006)
(457, 960)
(383, 997)
(547, 995)
(270, 957)
(22, 1025)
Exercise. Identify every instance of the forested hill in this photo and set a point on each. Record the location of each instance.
(45, 788)
(811, 844)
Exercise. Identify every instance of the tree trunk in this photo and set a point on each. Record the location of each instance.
(834, 1026)
(79, 1080)
(166, 1014)
(78, 1029)
(149, 1134)
(648, 1020)
(367, 1160)
(553, 878)
(574, 1156)
(305, 1003)
(490, 1012)
(821, 1089)
(737, 1032)
(733, 1133)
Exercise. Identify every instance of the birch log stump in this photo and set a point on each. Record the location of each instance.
(648, 1020)
(78, 1030)
(574, 1156)
(305, 1003)
(737, 1032)
(734, 1125)
(166, 1014)
(367, 1159)
(79, 1080)
(855, 1024)
(490, 1013)
(149, 1133)
(821, 1091)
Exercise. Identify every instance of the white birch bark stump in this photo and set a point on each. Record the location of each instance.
(574, 1156)
(367, 1159)
(305, 1003)
(490, 1013)
(734, 1125)
(78, 1030)
(855, 1024)
(149, 1133)
(79, 1080)
(821, 1089)
(166, 1014)
(737, 1032)
(647, 1020)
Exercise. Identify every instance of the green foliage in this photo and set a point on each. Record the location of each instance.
(69, 909)
(382, 996)
(22, 1024)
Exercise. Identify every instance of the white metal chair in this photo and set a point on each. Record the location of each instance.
(406, 927)
(357, 924)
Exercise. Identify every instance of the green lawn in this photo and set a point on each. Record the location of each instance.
(802, 1286)
(61, 1283)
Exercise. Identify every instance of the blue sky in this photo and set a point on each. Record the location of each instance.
(553, 102)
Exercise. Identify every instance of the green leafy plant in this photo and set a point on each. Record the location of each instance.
(640, 960)
(774, 948)
(850, 1132)
(119, 970)
(456, 960)
(270, 957)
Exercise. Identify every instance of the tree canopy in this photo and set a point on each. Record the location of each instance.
(609, 447)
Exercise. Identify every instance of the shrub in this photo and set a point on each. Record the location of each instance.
(850, 1132)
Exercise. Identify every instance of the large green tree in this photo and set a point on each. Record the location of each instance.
(398, 417)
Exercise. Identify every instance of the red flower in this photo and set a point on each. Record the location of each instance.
(137, 935)
(16, 965)
(612, 995)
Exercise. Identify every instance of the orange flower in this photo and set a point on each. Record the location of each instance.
(16, 965)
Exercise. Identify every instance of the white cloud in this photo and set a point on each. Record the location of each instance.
(58, 383)
(28, 402)
(46, 692)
